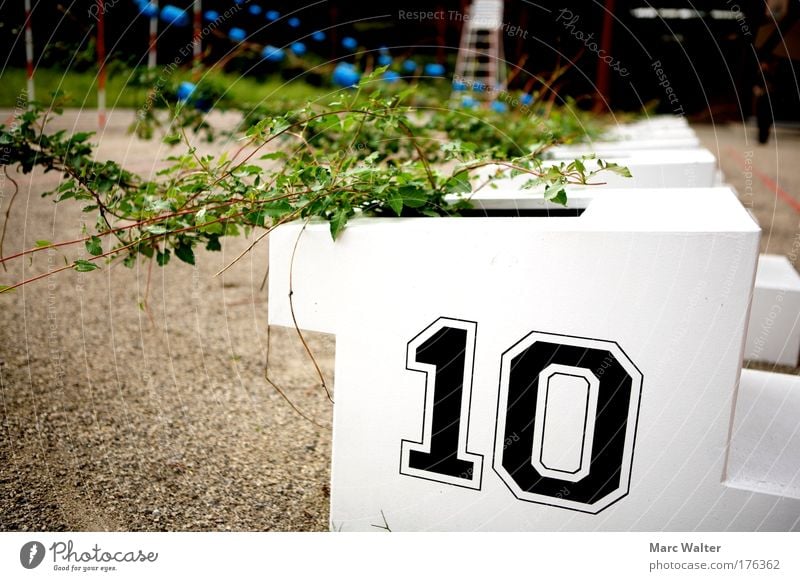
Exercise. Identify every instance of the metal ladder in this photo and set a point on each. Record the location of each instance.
(480, 64)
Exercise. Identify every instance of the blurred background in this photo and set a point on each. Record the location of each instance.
(710, 49)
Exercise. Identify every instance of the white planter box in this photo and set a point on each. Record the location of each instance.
(639, 305)
(638, 132)
(667, 168)
(773, 334)
(606, 149)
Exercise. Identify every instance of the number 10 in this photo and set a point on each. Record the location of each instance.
(566, 416)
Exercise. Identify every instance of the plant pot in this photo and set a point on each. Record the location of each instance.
(533, 373)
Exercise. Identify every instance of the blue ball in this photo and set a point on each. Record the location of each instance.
(298, 48)
(391, 76)
(409, 66)
(384, 60)
(526, 99)
(237, 34)
(272, 54)
(499, 107)
(211, 15)
(273, 15)
(147, 9)
(319, 36)
(468, 102)
(254, 9)
(293, 22)
(185, 90)
(349, 43)
(345, 75)
(434, 70)
(459, 86)
(174, 15)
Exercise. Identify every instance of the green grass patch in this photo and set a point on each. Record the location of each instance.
(121, 90)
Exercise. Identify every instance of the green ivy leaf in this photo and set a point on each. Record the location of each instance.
(94, 246)
(185, 253)
(162, 258)
(458, 184)
(43, 243)
(413, 197)
(338, 222)
(84, 266)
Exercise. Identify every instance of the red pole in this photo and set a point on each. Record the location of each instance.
(101, 64)
(603, 72)
(198, 28)
(29, 50)
(151, 50)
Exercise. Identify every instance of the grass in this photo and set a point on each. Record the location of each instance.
(82, 87)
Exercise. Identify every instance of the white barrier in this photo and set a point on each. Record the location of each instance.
(605, 149)
(773, 333)
(764, 455)
(452, 332)
(656, 168)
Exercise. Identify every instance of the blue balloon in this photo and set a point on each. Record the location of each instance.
(499, 107)
(384, 60)
(237, 34)
(391, 76)
(409, 66)
(434, 70)
(273, 15)
(185, 90)
(526, 99)
(459, 86)
(349, 43)
(272, 54)
(319, 36)
(211, 15)
(298, 48)
(293, 22)
(468, 102)
(254, 9)
(478, 86)
(345, 75)
(174, 15)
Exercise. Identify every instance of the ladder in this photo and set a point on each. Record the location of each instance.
(480, 63)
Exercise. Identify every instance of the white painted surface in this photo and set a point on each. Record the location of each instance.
(671, 287)
(610, 148)
(773, 333)
(764, 455)
(658, 168)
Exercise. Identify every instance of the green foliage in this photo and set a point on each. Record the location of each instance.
(305, 164)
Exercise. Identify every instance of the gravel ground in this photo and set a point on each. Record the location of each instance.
(119, 418)
(116, 420)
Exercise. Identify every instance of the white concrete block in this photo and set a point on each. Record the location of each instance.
(636, 293)
(661, 168)
(619, 147)
(764, 455)
(773, 333)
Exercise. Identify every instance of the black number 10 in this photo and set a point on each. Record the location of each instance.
(539, 375)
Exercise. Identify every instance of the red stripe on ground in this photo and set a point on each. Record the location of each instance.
(766, 180)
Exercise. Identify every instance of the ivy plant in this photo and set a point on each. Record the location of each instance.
(319, 161)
